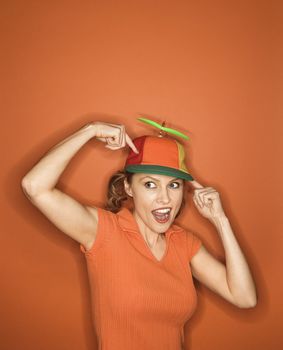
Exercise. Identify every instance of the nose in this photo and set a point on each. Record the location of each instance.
(163, 196)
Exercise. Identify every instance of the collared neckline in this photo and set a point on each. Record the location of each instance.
(128, 223)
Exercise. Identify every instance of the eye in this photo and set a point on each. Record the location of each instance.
(176, 183)
(147, 184)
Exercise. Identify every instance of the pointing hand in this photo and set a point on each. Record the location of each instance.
(207, 201)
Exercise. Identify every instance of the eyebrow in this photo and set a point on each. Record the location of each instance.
(176, 178)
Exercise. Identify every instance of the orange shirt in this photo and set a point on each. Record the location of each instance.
(139, 302)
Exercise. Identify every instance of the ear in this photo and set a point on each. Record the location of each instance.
(127, 188)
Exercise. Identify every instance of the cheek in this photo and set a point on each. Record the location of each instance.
(177, 195)
(143, 198)
(179, 201)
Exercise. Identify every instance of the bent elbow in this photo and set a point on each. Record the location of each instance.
(248, 305)
(253, 304)
(27, 187)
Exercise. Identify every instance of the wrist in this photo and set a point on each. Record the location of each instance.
(91, 128)
(219, 219)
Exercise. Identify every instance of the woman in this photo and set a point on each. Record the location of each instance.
(140, 263)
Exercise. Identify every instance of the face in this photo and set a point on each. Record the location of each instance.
(151, 192)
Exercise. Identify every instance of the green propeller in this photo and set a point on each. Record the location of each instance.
(163, 128)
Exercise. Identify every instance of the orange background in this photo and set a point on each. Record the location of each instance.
(212, 69)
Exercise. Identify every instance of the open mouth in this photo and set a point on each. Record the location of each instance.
(161, 215)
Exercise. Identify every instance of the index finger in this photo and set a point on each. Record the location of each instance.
(131, 144)
(196, 184)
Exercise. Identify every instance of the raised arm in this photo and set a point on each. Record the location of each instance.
(232, 280)
(73, 218)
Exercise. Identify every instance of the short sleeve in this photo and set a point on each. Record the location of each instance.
(193, 244)
(104, 227)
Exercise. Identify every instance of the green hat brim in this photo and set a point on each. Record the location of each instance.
(158, 169)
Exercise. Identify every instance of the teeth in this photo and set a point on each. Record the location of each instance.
(162, 211)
